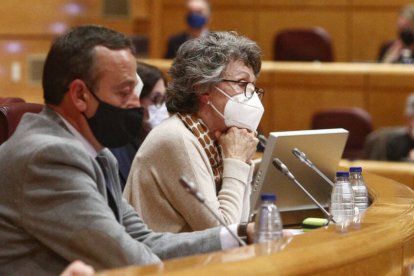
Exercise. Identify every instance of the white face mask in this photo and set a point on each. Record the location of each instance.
(241, 112)
(139, 86)
(157, 114)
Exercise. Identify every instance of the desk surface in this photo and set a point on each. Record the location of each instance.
(402, 172)
(383, 245)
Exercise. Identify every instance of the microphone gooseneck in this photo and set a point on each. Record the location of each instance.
(191, 188)
(285, 170)
(304, 159)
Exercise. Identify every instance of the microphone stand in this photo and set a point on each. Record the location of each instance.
(284, 169)
(304, 159)
(191, 188)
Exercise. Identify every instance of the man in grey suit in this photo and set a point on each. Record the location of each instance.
(60, 198)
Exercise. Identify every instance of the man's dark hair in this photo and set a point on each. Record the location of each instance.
(72, 57)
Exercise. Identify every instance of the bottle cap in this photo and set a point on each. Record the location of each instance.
(355, 169)
(342, 174)
(268, 196)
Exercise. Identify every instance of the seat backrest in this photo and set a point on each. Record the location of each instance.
(11, 114)
(356, 120)
(10, 100)
(303, 44)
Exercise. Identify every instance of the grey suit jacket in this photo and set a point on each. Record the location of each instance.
(54, 208)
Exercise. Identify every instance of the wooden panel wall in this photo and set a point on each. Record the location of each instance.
(28, 27)
(357, 27)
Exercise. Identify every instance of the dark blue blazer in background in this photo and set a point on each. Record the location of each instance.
(174, 43)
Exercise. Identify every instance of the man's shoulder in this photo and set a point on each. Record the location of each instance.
(179, 37)
(40, 132)
(402, 140)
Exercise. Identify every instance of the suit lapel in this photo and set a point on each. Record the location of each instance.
(110, 173)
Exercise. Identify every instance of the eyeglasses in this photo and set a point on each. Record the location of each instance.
(248, 88)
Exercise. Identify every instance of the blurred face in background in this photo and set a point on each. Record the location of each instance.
(156, 96)
(154, 104)
(403, 23)
(198, 13)
(405, 28)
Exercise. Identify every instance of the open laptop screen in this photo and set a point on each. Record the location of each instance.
(324, 147)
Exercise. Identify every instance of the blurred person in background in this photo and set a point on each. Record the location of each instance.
(197, 18)
(401, 147)
(401, 49)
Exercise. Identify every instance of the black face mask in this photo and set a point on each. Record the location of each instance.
(115, 127)
(407, 37)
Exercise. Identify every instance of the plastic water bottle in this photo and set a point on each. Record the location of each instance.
(360, 192)
(406, 56)
(342, 202)
(268, 226)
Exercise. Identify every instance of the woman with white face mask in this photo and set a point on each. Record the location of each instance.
(152, 99)
(210, 138)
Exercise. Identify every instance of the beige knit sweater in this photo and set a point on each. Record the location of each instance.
(169, 152)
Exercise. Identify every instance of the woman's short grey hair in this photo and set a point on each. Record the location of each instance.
(200, 64)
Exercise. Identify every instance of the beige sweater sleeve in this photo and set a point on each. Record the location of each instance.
(169, 152)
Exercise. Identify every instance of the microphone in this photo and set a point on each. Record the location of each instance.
(262, 140)
(191, 188)
(304, 159)
(284, 169)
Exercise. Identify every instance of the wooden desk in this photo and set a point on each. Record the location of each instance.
(383, 246)
(402, 172)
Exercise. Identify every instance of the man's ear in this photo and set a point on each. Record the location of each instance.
(79, 95)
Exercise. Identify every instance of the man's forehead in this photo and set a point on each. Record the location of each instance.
(105, 54)
(198, 6)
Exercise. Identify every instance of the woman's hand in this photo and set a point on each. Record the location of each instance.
(238, 144)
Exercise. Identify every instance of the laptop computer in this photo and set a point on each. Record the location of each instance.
(324, 147)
